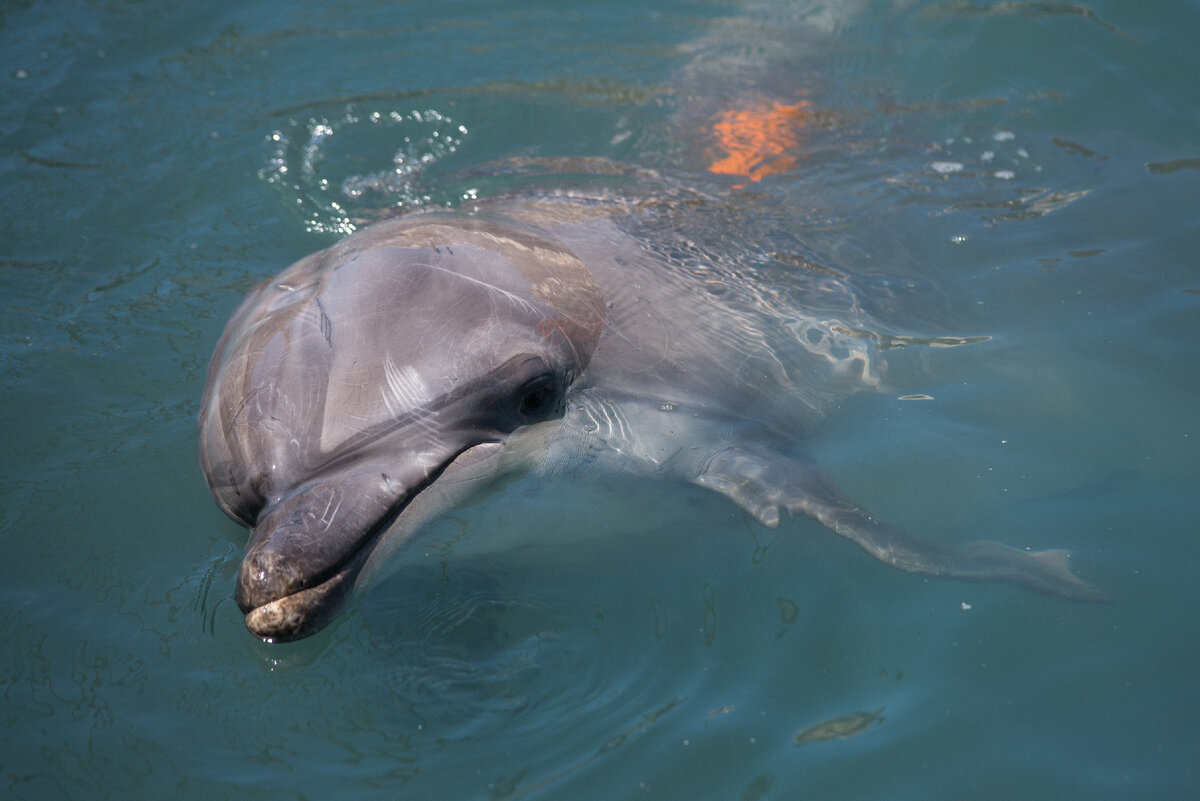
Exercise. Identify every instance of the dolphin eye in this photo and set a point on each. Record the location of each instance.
(537, 396)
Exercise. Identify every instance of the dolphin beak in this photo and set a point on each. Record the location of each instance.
(286, 593)
(304, 612)
(307, 549)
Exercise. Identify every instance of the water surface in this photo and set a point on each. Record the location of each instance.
(1022, 172)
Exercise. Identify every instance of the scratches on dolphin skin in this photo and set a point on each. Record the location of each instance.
(403, 391)
(517, 300)
(327, 517)
(325, 323)
(555, 274)
(390, 485)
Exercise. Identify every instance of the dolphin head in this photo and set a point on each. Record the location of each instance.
(398, 362)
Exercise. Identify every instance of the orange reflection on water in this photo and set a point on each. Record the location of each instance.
(760, 141)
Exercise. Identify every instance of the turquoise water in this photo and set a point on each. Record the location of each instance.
(1026, 172)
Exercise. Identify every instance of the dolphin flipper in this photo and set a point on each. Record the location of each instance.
(762, 482)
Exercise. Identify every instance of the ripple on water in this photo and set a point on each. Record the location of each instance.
(342, 172)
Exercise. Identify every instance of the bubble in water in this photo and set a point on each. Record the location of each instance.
(946, 167)
(358, 165)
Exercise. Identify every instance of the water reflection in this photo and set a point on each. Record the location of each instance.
(369, 162)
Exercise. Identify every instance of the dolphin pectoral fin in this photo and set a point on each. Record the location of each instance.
(741, 478)
(762, 482)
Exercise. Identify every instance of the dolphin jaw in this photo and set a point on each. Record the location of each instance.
(282, 604)
(306, 611)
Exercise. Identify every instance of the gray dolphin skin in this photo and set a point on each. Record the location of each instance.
(422, 361)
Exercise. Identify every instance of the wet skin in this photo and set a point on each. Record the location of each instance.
(422, 361)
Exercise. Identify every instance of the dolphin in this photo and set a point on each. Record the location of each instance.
(424, 360)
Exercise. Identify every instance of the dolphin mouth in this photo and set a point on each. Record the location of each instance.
(298, 572)
(304, 605)
(290, 587)
(306, 611)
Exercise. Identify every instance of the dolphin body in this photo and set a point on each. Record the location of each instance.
(423, 360)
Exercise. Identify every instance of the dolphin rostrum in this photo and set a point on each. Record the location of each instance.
(408, 368)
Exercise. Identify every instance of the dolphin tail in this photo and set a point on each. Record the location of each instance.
(762, 483)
